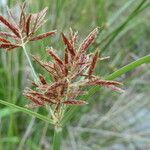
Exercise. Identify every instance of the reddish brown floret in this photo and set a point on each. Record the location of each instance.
(54, 56)
(8, 45)
(4, 40)
(68, 44)
(41, 36)
(93, 64)
(28, 24)
(10, 26)
(88, 41)
(41, 78)
(75, 102)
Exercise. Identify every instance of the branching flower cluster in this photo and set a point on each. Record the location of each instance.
(70, 74)
(21, 31)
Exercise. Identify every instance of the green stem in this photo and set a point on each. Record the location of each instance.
(146, 59)
(16, 108)
(31, 66)
(131, 66)
(57, 138)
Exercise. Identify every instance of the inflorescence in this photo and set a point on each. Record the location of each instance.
(21, 31)
(70, 75)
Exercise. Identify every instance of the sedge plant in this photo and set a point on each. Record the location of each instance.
(70, 74)
(19, 31)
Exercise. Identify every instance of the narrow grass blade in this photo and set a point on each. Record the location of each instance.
(29, 112)
(131, 66)
(120, 11)
(108, 39)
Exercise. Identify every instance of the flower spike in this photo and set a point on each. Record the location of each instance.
(70, 75)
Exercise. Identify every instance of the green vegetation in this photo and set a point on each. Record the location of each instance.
(110, 120)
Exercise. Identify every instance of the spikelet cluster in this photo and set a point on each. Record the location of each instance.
(70, 74)
(20, 31)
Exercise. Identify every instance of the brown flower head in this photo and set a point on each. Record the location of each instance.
(70, 74)
(21, 30)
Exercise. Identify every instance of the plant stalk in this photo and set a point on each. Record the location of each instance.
(57, 138)
(31, 66)
(128, 67)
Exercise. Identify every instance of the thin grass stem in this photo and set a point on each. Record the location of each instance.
(131, 66)
(27, 111)
(57, 138)
(31, 66)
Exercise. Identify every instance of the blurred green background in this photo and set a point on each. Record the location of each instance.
(111, 121)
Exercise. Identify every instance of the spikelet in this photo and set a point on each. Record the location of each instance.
(7, 34)
(44, 65)
(54, 56)
(88, 41)
(75, 102)
(4, 40)
(8, 45)
(93, 64)
(42, 80)
(41, 36)
(68, 44)
(9, 26)
(34, 99)
(28, 24)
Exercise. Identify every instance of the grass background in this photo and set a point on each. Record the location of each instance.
(110, 121)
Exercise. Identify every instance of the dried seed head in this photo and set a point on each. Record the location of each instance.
(24, 31)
